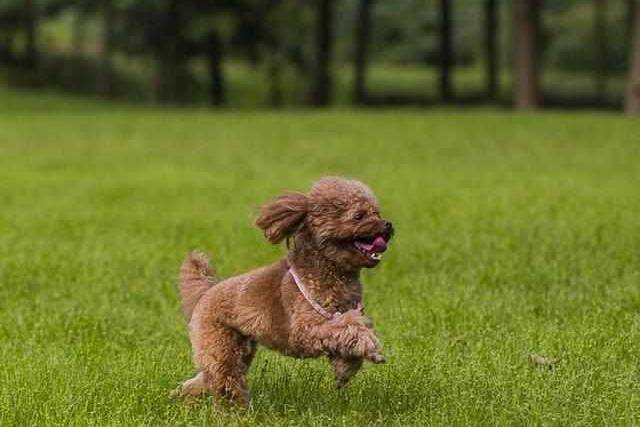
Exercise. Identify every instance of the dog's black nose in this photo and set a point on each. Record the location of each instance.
(388, 226)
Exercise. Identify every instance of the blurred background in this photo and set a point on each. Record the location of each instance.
(274, 53)
(132, 131)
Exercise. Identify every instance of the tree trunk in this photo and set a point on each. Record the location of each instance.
(633, 90)
(526, 15)
(78, 33)
(276, 97)
(30, 28)
(322, 84)
(216, 75)
(73, 75)
(446, 50)
(6, 48)
(172, 75)
(254, 30)
(600, 36)
(632, 5)
(105, 74)
(363, 29)
(491, 42)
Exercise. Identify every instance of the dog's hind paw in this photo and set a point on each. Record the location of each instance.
(377, 358)
(190, 389)
(176, 393)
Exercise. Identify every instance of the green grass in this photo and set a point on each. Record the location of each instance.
(517, 233)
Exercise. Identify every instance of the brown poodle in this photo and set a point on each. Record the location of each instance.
(306, 305)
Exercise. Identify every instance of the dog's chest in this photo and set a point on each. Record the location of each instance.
(343, 297)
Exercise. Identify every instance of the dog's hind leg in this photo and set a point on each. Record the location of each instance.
(192, 388)
(344, 369)
(225, 357)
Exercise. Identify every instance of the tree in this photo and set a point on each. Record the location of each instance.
(10, 25)
(491, 22)
(601, 53)
(173, 32)
(106, 75)
(633, 88)
(270, 36)
(30, 20)
(631, 13)
(322, 83)
(214, 60)
(446, 50)
(79, 31)
(526, 20)
(363, 30)
(171, 53)
(274, 41)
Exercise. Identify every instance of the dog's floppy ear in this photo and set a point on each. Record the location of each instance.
(283, 216)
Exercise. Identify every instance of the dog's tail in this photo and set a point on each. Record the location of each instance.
(196, 277)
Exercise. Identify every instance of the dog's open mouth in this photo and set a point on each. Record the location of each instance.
(372, 247)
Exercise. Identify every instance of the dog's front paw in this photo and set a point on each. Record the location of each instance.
(351, 335)
(368, 346)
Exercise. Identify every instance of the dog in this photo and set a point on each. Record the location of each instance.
(308, 304)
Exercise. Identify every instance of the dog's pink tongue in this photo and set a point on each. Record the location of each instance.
(379, 244)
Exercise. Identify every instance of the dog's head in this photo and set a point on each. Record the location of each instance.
(339, 216)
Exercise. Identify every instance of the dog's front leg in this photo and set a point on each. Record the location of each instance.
(349, 335)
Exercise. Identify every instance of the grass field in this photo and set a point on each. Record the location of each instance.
(515, 234)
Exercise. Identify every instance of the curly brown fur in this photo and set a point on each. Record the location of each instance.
(196, 277)
(332, 233)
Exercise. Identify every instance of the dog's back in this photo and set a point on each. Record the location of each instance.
(196, 277)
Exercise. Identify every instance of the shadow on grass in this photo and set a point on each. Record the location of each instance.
(305, 389)
(550, 99)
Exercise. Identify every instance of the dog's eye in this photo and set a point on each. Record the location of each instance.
(358, 215)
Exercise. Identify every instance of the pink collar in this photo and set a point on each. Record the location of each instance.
(303, 290)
